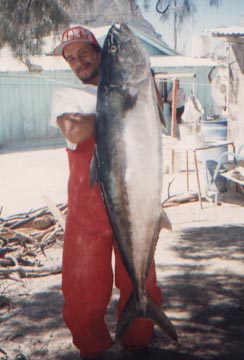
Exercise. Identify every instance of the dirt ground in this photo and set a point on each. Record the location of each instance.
(200, 269)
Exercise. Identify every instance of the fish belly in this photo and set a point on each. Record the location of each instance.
(143, 176)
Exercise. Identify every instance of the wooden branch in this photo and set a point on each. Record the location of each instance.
(55, 211)
(26, 272)
(169, 196)
(25, 235)
(3, 352)
(25, 221)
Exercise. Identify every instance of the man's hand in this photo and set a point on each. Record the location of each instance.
(77, 127)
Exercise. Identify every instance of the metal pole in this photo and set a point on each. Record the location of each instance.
(173, 109)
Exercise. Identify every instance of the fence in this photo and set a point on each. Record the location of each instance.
(25, 103)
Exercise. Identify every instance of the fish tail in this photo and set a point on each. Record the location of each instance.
(126, 318)
(155, 313)
(132, 311)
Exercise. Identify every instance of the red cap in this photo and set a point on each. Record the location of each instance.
(73, 35)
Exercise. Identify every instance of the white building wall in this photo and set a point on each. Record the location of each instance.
(236, 103)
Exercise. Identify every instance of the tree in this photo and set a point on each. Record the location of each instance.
(181, 10)
(24, 23)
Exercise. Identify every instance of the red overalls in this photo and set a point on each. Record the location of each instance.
(87, 276)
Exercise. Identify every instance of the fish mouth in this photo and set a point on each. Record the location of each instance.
(120, 33)
(121, 30)
(134, 60)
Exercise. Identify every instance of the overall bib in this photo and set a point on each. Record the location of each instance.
(87, 274)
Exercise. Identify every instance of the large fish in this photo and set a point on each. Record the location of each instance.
(128, 161)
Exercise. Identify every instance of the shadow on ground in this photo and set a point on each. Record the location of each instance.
(205, 292)
(203, 296)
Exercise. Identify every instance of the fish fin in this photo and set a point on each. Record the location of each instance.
(93, 171)
(155, 313)
(126, 318)
(129, 99)
(132, 311)
(161, 116)
(164, 221)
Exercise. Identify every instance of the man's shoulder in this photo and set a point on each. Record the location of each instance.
(86, 89)
(73, 100)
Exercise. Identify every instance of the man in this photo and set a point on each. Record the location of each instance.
(87, 275)
(180, 101)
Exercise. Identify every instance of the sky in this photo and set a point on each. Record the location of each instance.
(231, 12)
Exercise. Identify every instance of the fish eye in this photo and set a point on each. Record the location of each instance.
(113, 48)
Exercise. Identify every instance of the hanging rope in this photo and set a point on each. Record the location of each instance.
(162, 11)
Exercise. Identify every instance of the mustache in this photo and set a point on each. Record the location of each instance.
(80, 67)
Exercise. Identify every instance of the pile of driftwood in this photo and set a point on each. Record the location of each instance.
(24, 236)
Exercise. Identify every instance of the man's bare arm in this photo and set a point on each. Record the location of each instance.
(77, 127)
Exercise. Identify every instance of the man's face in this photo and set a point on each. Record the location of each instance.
(84, 60)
